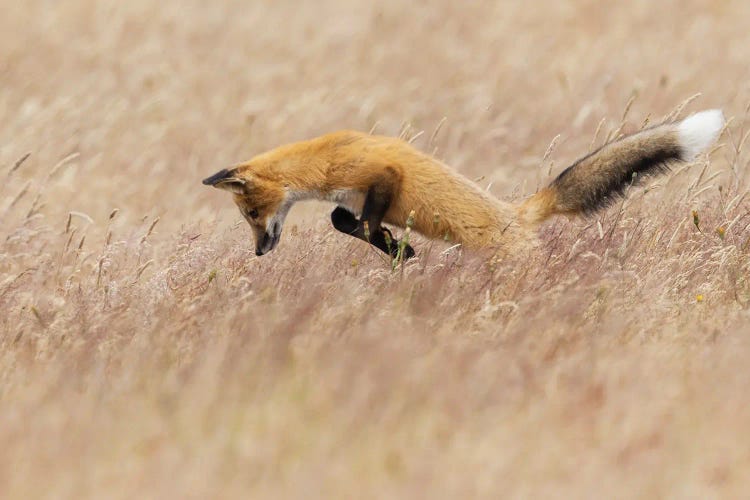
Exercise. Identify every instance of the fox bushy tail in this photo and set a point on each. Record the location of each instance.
(594, 181)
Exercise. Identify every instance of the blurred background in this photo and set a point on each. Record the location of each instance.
(146, 352)
(152, 99)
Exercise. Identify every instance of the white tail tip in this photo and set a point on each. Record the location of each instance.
(697, 132)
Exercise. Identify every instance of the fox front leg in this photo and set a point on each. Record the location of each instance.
(377, 202)
(346, 222)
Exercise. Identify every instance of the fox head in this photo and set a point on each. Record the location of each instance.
(263, 202)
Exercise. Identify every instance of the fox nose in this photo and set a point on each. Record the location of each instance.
(260, 247)
(265, 245)
(269, 240)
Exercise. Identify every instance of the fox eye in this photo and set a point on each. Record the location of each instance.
(253, 213)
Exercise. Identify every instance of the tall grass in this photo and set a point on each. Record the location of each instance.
(145, 349)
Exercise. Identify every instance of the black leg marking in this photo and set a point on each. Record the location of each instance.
(368, 228)
(377, 202)
(346, 222)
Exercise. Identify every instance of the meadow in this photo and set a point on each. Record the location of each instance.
(145, 351)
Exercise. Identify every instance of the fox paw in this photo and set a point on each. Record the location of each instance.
(346, 222)
(343, 220)
(408, 252)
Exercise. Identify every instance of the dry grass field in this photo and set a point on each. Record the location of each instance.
(146, 352)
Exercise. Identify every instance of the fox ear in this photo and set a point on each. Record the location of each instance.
(226, 179)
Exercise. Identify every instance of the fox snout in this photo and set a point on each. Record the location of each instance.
(268, 239)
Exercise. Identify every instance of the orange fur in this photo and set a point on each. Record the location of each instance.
(342, 166)
(445, 204)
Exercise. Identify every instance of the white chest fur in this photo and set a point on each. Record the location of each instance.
(350, 199)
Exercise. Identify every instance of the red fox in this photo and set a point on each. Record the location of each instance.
(375, 180)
